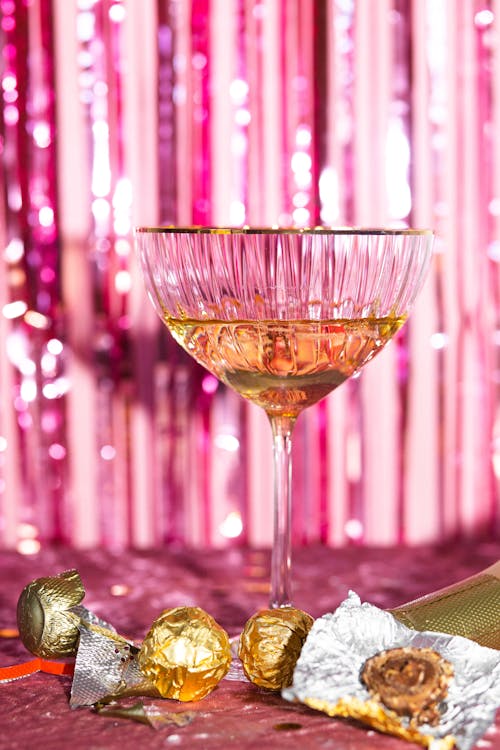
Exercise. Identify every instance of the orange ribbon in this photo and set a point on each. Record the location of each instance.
(17, 671)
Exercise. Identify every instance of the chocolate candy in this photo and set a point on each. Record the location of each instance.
(410, 681)
(185, 654)
(47, 626)
(270, 645)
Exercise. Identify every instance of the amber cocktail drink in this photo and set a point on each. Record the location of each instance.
(283, 316)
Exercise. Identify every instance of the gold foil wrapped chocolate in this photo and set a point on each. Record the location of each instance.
(47, 626)
(185, 654)
(470, 608)
(411, 681)
(270, 645)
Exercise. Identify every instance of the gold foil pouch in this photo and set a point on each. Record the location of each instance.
(470, 608)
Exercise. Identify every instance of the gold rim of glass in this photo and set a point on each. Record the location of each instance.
(280, 230)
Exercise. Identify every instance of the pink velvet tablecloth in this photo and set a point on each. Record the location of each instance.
(130, 589)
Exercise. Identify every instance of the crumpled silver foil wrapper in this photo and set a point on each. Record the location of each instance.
(328, 670)
(106, 667)
(90, 618)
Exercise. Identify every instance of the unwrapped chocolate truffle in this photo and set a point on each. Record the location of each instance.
(185, 654)
(411, 681)
(47, 626)
(270, 645)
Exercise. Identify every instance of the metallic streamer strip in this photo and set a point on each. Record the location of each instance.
(472, 404)
(96, 92)
(76, 285)
(183, 106)
(10, 468)
(144, 140)
(32, 257)
(170, 94)
(185, 46)
(229, 148)
(201, 62)
(488, 84)
(353, 529)
(112, 185)
(270, 113)
(320, 108)
(256, 166)
(303, 109)
(373, 95)
(489, 300)
(264, 207)
(421, 520)
(446, 198)
(227, 480)
(438, 106)
(226, 140)
(166, 400)
(494, 255)
(335, 194)
(399, 200)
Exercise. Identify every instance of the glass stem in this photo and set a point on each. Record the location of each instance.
(281, 559)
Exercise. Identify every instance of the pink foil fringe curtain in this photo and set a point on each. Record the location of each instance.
(117, 113)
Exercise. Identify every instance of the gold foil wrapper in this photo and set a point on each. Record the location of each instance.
(470, 608)
(270, 645)
(185, 654)
(47, 626)
(153, 715)
(372, 714)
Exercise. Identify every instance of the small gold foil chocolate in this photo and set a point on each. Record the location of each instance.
(46, 626)
(270, 645)
(185, 654)
(410, 681)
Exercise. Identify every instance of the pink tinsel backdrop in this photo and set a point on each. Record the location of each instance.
(118, 113)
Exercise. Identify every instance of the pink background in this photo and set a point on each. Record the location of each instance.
(230, 112)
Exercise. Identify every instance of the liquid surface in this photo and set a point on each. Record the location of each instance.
(284, 366)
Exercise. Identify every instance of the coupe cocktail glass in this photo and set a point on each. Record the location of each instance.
(283, 316)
